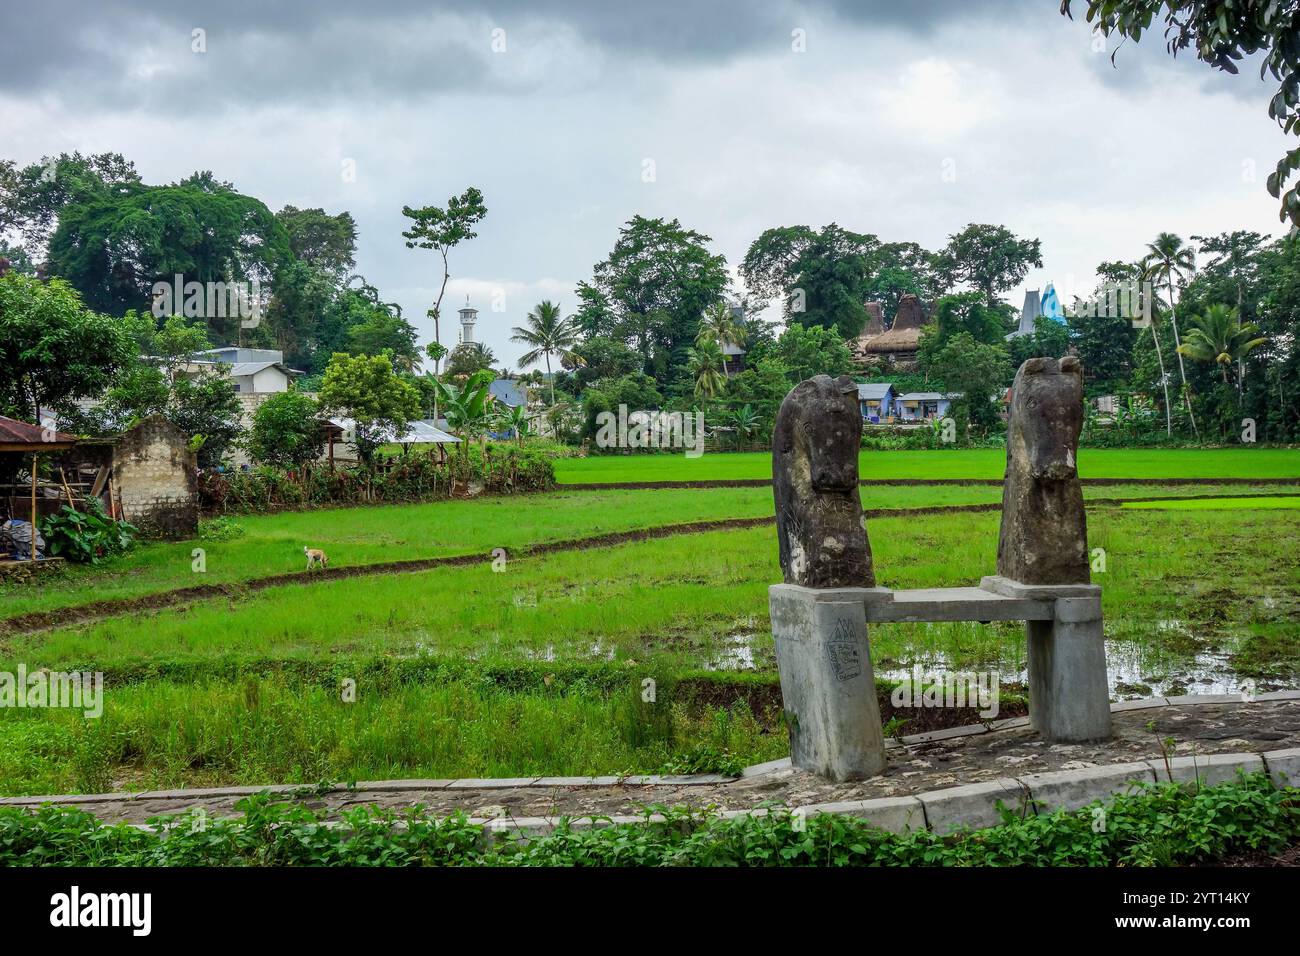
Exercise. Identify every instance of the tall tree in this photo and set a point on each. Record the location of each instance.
(53, 350)
(977, 370)
(439, 229)
(721, 326)
(703, 361)
(324, 241)
(1221, 32)
(113, 249)
(821, 275)
(1169, 259)
(1102, 335)
(665, 274)
(31, 197)
(547, 333)
(366, 389)
(988, 258)
(1218, 336)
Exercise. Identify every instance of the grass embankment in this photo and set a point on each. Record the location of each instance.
(1155, 826)
(964, 463)
(1218, 504)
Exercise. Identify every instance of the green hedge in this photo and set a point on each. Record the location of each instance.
(1154, 826)
(419, 476)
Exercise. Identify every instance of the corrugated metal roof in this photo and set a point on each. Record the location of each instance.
(238, 369)
(422, 431)
(507, 393)
(873, 390)
(15, 432)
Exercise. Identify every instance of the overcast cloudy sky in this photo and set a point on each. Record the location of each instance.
(745, 131)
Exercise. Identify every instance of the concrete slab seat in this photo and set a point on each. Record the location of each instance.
(828, 687)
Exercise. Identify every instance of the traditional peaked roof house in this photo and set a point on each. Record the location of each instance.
(1047, 304)
(875, 320)
(899, 343)
(1030, 311)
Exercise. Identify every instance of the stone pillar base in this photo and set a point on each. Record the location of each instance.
(827, 684)
(1069, 696)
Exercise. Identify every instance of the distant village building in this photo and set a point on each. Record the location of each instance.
(253, 371)
(1035, 305)
(733, 356)
(923, 406)
(256, 374)
(876, 401)
(896, 345)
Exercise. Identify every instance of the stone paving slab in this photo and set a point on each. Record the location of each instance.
(916, 767)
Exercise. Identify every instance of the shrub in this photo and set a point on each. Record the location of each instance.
(419, 476)
(88, 536)
(1154, 826)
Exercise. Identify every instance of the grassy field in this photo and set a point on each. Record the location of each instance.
(272, 544)
(538, 666)
(1242, 462)
(1217, 504)
(556, 647)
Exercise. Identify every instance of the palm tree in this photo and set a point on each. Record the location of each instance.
(719, 325)
(703, 364)
(549, 333)
(1169, 259)
(1219, 336)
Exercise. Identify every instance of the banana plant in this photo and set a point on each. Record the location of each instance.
(469, 411)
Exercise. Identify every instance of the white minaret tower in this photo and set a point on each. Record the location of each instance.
(468, 317)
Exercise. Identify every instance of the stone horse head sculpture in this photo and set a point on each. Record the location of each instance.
(822, 537)
(1044, 537)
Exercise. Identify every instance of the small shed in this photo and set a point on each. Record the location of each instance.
(31, 486)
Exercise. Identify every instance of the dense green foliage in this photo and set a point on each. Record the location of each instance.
(88, 535)
(1222, 32)
(1155, 826)
(418, 476)
(53, 350)
(286, 431)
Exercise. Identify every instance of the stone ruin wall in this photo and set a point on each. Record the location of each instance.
(156, 478)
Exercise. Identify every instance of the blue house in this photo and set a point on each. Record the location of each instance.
(511, 395)
(923, 406)
(876, 400)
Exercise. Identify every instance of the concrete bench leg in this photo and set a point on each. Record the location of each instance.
(827, 684)
(1069, 698)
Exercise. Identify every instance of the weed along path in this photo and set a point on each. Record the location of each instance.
(941, 780)
(40, 620)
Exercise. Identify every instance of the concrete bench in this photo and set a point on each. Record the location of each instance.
(828, 685)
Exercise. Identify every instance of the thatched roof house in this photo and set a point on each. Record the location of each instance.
(899, 343)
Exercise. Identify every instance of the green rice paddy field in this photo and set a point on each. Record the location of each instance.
(534, 664)
(1244, 462)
